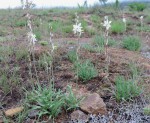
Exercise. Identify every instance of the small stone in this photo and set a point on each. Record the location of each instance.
(93, 104)
(79, 115)
(13, 111)
(103, 75)
(33, 114)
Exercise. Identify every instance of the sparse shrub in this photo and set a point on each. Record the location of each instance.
(47, 101)
(67, 29)
(90, 48)
(9, 80)
(50, 102)
(131, 43)
(126, 89)
(90, 31)
(43, 43)
(137, 6)
(44, 61)
(135, 72)
(3, 85)
(5, 52)
(21, 23)
(84, 24)
(118, 27)
(112, 42)
(71, 101)
(57, 26)
(21, 53)
(37, 22)
(72, 56)
(95, 18)
(86, 70)
(100, 42)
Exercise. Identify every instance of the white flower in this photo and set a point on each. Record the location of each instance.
(106, 24)
(105, 17)
(124, 20)
(77, 28)
(32, 38)
(54, 47)
(141, 17)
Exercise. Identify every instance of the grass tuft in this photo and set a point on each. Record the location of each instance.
(86, 70)
(118, 27)
(126, 89)
(131, 43)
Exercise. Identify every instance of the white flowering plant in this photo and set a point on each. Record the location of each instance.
(77, 28)
(125, 22)
(107, 23)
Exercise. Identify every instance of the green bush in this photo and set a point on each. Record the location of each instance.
(5, 53)
(84, 24)
(86, 70)
(21, 53)
(21, 23)
(67, 29)
(44, 61)
(9, 80)
(90, 48)
(48, 101)
(118, 27)
(43, 43)
(131, 43)
(57, 26)
(71, 101)
(100, 42)
(72, 56)
(126, 89)
(95, 18)
(90, 31)
(137, 6)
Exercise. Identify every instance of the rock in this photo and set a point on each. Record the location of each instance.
(93, 104)
(103, 75)
(13, 111)
(79, 115)
(147, 110)
(33, 114)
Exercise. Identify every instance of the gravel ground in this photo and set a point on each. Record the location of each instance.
(146, 54)
(127, 113)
